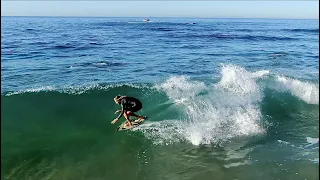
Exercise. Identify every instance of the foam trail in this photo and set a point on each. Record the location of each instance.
(306, 91)
(214, 114)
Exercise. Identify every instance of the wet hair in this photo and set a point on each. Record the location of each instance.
(117, 98)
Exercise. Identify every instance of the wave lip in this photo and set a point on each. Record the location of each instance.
(305, 91)
(44, 88)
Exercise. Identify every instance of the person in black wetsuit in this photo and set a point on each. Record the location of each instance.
(129, 105)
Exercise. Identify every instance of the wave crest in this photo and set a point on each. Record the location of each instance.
(306, 91)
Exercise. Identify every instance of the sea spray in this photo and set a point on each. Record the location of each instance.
(213, 113)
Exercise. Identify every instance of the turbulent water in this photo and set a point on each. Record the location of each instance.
(226, 98)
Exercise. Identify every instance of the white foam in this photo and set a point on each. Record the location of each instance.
(237, 79)
(236, 164)
(181, 88)
(312, 140)
(100, 64)
(315, 160)
(38, 89)
(306, 91)
(286, 143)
(163, 132)
(259, 74)
(80, 89)
(214, 114)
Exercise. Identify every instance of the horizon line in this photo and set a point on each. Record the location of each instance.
(66, 16)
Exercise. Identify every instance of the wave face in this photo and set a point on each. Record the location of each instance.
(201, 112)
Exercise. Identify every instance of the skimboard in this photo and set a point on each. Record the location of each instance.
(135, 123)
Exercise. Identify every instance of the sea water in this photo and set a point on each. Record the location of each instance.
(225, 98)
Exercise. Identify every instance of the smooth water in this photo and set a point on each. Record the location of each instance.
(226, 98)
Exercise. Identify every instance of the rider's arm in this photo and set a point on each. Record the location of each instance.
(122, 109)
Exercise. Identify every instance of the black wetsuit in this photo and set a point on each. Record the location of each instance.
(129, 104)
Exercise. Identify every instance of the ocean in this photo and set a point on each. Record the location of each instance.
(229, 99)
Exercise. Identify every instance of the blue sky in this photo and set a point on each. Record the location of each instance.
(207, 9)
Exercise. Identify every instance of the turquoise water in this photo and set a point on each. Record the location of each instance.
(226, 98)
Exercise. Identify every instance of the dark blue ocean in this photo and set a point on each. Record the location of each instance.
(226, 98)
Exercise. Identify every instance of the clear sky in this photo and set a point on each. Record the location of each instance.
(208, 9)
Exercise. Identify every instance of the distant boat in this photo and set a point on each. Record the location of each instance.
(146, 20)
